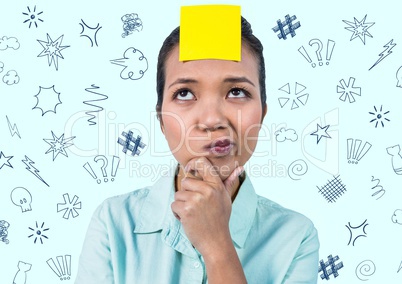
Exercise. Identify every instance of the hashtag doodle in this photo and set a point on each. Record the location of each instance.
(127, 143)
(333, 189)
(332, 267)
(291, 28)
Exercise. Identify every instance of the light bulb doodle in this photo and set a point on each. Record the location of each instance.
(29, 166)
(4, 225)
(359, 29)
(63, 267)
(13, 129)
(354, 152)
(38, 232)
(379, 116)
(47, 99)
(319, 46)
(387, 51)
(91, 103)
(348, 90)
(297, 169)
(104, 160)
(58, 145)
(90, 33)
(130, 143)
(9, 42)
(33, 17)
(52, 49)
(21, 275)
(7, 162)
(321, 132)
(70, 206)
(300, 96)
(134, 64)
(351, 229)
(396, 159)
(131, 23)
(21, 197)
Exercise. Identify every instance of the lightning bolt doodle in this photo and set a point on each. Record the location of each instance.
(29, 163)
(13, 129)
(388, 47)
(90, 103)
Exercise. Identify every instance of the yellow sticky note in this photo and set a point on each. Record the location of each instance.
(210, 32)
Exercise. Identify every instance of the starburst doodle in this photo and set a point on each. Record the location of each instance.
(379, 116)
(58, 145)
(33, 17)
(52, 49)
(359, 29)
(38, 233)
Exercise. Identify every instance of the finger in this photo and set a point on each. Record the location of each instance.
(202, 167)
(231, 179)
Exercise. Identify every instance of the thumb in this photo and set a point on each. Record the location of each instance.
(230, 181)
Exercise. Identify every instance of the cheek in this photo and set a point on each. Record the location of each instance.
(250, 127)
(174, 129)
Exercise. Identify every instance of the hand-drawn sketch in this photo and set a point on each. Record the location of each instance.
(9, 42)
(1, 66)
(362, 227)
(134, 62)
(396, 159)
(377, 187)
(33, 17)
(348, 90)
(58, 145)
(397, 217)
(387, 51)
(29, 166)
(321, 132)
(333, 189)
(115, 165)
(47, 99)
(398, 77)
(329, 267)
(38, 232)
(4, 225)
(297, 169)
(21, 197)
(319, 47)
(128, 142)
(13, 128)
(90, 32)
(91, 103)
(286, 27)
(354, 153)
(7, 162)
(52, 49)
(299, 93)
(400, 267)
(21, 275)
(11, 78)
(70, 206)
(359, 29)
(284, 134)
(379, 116)
(131, 23)
(63, 267)
(365, 269)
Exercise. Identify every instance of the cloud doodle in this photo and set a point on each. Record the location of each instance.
(11, 78)
(9, 42)
(134, 64)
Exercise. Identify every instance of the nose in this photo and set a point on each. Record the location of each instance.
(212, 114)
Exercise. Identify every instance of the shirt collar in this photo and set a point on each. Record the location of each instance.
(156, 213)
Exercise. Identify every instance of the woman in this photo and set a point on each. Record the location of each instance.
(203, 221)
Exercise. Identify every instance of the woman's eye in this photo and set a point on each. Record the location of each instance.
(237, 93)
(184, 95)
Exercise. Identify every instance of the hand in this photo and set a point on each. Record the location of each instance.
(203, 205)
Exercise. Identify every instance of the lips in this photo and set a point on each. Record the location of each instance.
(220, 146)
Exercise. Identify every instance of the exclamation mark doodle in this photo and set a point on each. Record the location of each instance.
(89, 169)
(115, 166)
(303, 52)
(63, 267)
(103, 167)
(330, 49)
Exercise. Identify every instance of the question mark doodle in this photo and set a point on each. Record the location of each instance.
(318, 51)
(103, 167)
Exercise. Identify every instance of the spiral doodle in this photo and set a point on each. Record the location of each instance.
(365, 269)
(297, 169)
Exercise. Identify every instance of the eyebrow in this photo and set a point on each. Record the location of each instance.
(226, 80)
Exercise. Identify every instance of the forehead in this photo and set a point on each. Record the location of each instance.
(248, 66)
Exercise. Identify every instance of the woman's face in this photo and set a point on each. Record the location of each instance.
(212, 108)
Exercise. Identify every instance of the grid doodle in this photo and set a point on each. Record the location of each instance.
(286, 27)
(128, 142)
(329, 267)
(333, 189)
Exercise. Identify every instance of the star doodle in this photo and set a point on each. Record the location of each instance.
(6, 163)
(359, 29)
(52, 49)
(321, 132)
(58, 145)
